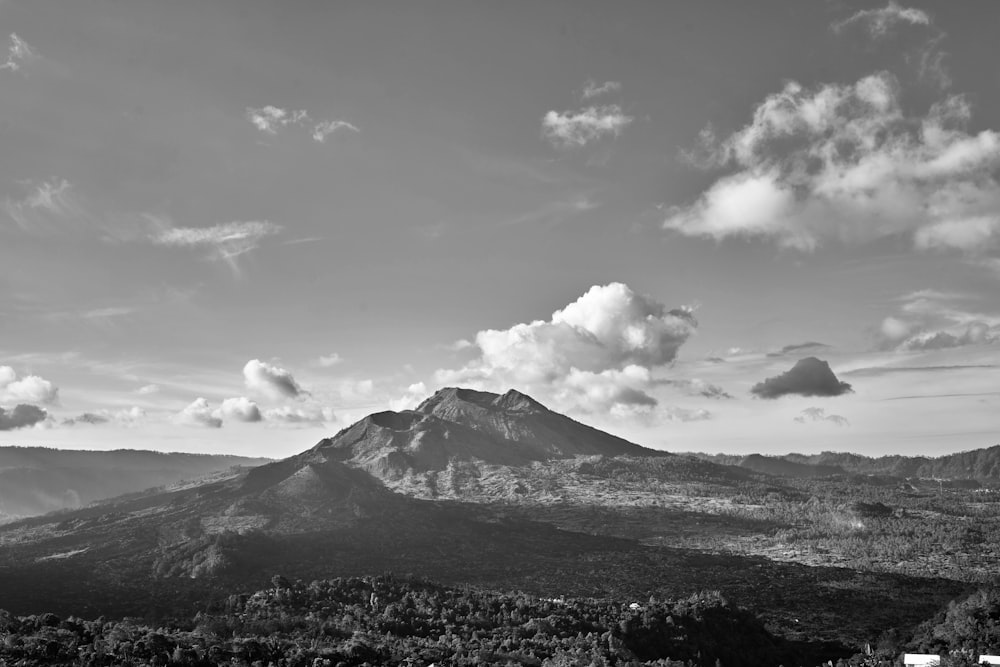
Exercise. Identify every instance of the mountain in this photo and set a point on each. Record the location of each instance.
(461, 431)
(36, 480)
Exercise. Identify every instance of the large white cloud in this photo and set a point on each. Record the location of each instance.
(18, 53)
(844, 163)
(270, 380)
(28, 389)
(596, 354)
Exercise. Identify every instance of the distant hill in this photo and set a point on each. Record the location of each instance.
(982, 465)
(36, 480)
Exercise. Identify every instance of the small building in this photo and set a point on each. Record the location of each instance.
(921, 660)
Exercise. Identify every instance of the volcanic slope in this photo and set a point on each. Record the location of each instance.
(458, 439)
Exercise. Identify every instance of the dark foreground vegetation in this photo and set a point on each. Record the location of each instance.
(382, 620)
(388, 621)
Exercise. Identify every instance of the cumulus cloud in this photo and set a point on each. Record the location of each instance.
(569, 129)
(844, 163)
(414, 394)
(199, 413)
(808, 377)
(880, 22)
(593, 89)
(18, 53)
(595, 354)
(240, 409)
(820, 415)
(931, 320)
(270, 380)
(324, 129)
(21, 416)
(30, 388)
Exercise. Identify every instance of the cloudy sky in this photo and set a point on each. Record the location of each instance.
(239, 225)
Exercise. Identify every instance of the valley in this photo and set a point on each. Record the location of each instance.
(499, 493)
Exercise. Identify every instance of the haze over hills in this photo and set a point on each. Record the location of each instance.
(982, 465)
(36, 480)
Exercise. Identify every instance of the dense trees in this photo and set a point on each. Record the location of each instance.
(382, 620)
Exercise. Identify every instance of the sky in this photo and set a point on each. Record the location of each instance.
(240, 225)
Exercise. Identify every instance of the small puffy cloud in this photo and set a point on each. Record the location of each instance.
(18, 53)
(199, 413)
(569, 129)
(240, 409)
(593, 89)
(880, 22)
(225, 241)
(808, 377)
(820, 415)
(845, 164)
(30, 388)
(330, 360)
(324, 129)
(270, 380)
(21, 416)
(148, 389)
(594, 354)
(270, 119)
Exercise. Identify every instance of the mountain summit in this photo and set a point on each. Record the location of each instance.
(462, 425)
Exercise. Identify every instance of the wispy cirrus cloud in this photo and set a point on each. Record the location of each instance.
(573, 129)
(882, 21)
(593, 89)
(325, 128)
(18, 53)
(225, 242)
(270, 119)
(46, 204)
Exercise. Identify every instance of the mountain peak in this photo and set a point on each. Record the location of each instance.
(515, 401)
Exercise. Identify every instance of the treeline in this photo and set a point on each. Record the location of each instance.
(383, 620)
